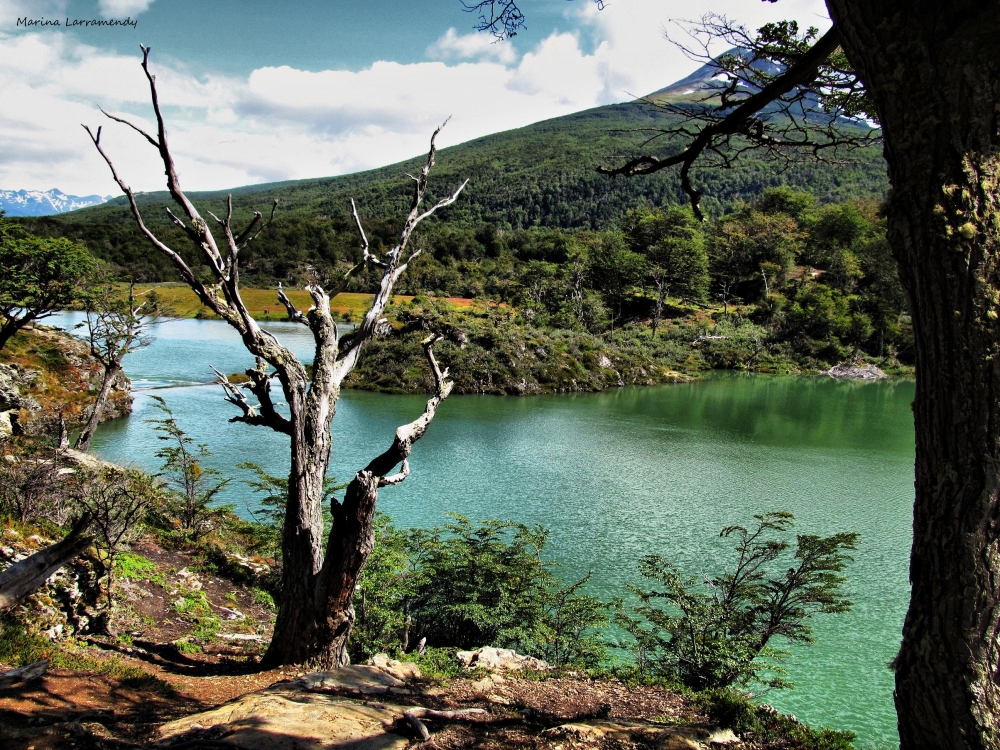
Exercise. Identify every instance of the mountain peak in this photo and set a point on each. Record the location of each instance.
(45, 203)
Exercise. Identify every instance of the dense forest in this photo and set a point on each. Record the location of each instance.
(781, 284)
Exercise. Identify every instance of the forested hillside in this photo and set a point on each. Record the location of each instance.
(543, 175)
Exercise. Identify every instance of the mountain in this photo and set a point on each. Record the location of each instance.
(706, 81)
(38, 203)
(544, 175)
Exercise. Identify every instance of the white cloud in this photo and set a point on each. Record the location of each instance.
(122, 8)
(11, 10)
(451, 46)
(630, 37)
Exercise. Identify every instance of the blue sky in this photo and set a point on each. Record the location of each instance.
(263, 91)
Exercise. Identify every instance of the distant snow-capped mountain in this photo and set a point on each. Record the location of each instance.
(39, 203)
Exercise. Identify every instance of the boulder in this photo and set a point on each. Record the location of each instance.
(355, 678)
(290, 721)
(401, 670)
(497, 659)
(856, 371)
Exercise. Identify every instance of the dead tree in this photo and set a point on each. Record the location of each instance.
(315, 613)
(115, 327)
(23, 578)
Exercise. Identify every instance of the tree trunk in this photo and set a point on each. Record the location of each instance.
(660, 297)
(11, 326)
(110, 373)
(933, 71)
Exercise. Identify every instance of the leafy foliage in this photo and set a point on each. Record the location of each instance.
(41, 275)
(719, 632)
(467, 585)
(756, 723)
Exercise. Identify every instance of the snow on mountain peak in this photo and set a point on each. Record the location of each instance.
(43, 203)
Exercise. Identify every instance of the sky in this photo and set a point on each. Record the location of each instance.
(257, 91)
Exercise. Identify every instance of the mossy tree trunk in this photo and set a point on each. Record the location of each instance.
(933, 71)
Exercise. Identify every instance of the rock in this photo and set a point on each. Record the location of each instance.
(363, 679)
(856, 371)
(723, 737)
(494, 659)
(483, 687)
(401, 670)
(294, 721)
(7, 421)
(644, 733)
(36, 397)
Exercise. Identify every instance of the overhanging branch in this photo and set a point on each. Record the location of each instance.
(740, 121)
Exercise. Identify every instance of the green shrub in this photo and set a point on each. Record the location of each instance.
(762, 724)
(468, 585)
(719, 632)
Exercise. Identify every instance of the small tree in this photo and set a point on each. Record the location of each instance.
(674, 246)
(720, 633)
(116, 326)
(487, 584)
(192, 485)
(40, 277)
(30, 484)
(116, 502)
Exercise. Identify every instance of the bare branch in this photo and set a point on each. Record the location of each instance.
(395, 479)
(394, 266)
(186, 272)
(262, 414)
(209, 245)
(137, 129)
(408, 434)
(365, 254)
(740, 121)
(293, 313)
(245, 237)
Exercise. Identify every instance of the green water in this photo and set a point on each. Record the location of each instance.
(617, 475)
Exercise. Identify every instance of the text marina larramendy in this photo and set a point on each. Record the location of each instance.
(70, 22)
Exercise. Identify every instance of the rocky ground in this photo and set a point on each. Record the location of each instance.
(44, 371)
(211, 702)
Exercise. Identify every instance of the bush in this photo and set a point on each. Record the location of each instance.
(719, 632)
(467, 585)
(762, 724)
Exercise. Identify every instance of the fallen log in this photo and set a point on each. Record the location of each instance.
(24, 674)
(25, 577)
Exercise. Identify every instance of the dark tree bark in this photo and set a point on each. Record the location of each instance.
(25, 577)
(110, 374)
(315, 612)
(933, 71)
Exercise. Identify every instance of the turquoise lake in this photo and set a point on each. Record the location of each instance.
(614, 475)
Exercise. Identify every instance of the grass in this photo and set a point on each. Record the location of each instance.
(19, 647)
(194, 606)
(138, 568)
(263, 303)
